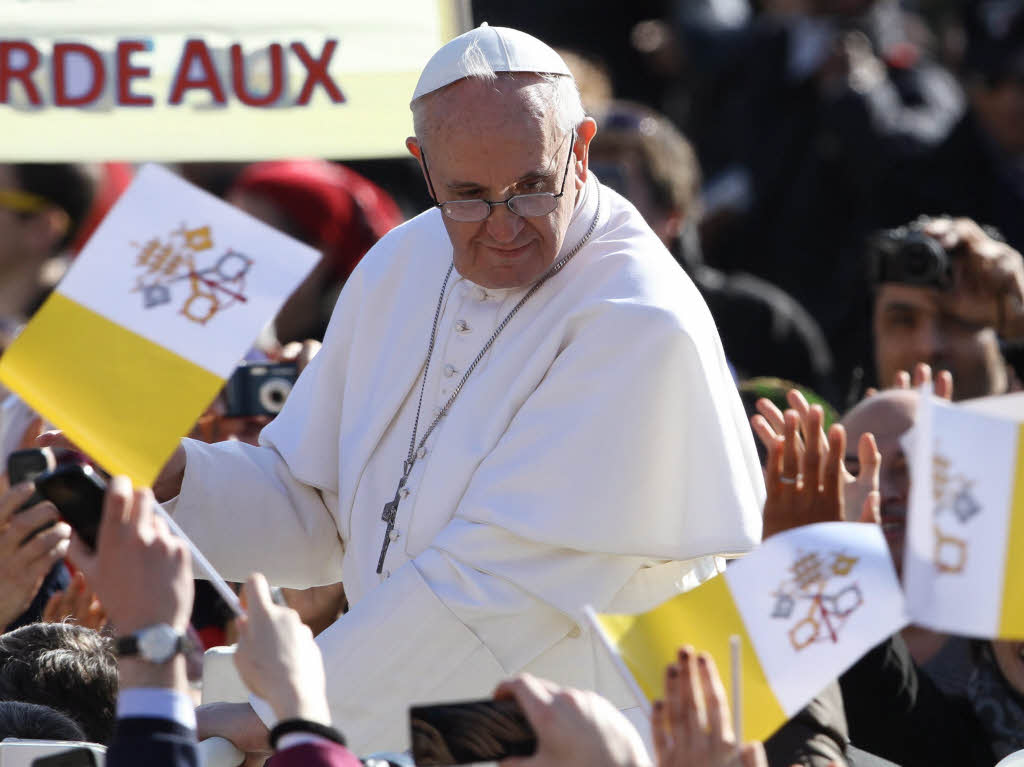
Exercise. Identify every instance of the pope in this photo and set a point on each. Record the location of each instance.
(521, 407)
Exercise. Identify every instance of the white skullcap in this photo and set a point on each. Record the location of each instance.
(506, 50)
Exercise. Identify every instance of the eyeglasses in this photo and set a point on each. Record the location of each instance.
(528, 205)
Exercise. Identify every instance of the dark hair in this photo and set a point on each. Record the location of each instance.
(67, 667)
(69, 186)
(31, 721)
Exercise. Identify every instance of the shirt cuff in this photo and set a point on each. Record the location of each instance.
(298, 738)
(156, 703)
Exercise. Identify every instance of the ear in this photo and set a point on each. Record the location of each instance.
(413, 145)
(584, 135)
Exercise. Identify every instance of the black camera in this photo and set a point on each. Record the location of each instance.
(258, 388)
(909, 256)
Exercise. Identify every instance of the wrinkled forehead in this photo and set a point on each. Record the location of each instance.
(477, 109)
(888, 415)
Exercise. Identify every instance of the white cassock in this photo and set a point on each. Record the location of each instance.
(599, 454)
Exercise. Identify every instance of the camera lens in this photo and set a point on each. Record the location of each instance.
(272, 394)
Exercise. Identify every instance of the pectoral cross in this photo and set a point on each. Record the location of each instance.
(390, 512)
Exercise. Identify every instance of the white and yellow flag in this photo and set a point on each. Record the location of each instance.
(964, 560)
(150, 321)
(807, 604)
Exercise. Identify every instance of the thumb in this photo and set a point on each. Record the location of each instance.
(257, 595)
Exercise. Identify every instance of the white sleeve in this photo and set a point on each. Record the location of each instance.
(245, 511)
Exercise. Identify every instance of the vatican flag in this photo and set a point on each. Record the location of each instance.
(964, 558)
(807, 604)
(151, 319)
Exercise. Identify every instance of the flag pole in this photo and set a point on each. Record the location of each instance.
(736, 669)
(203, 564)
(617, 661)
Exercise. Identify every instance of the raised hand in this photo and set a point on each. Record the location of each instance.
(788, 435)
(922, 374)
(692, 726)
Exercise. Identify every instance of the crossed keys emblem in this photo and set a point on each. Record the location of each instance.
(212, 288)
(820, 607)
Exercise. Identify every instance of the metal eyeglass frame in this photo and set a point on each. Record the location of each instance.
(507, 201)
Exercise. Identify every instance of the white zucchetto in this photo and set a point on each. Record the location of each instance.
(506, 50)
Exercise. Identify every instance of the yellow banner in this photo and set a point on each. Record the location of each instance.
(230, 80)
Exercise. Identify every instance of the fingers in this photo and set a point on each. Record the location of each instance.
(533, 695)
(258, 599)
(690, 707)
(13, 499)
(46, 546)
(790, 454)
(901, 380)
(716, 702)
(30, 437)
(832, 490)
(922, 374)
(944, 385)
(872, 509)
(763, 431)
(870, 460)
(815, 447)
(660, 731)
(771, 413)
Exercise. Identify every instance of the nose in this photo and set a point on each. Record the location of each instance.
(503, 225)
(930, 344)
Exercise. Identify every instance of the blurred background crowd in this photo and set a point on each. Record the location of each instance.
(807, 162)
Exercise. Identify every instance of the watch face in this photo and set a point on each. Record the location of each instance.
(158, 644)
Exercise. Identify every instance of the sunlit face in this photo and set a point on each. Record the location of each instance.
(887, 415)
(491, 141)
(919, 324)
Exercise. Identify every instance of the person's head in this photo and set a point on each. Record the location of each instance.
(918, 317)
(642, 155)
(486, 133)
(67, 667)
(327, 206)
(41, 209)
(888, 415)
(32, 721)
(994, 71)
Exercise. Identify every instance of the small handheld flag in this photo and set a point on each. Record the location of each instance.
(964, 560)
(150, 321)
(805, 605)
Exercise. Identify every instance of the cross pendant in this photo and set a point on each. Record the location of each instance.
(390, 512)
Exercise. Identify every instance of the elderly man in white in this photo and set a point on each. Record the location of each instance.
(521, 407)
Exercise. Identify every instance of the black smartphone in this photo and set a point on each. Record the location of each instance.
(77, 491)
(72, 757)
(470, 731)
(25, 466)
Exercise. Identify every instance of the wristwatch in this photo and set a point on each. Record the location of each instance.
(155, 644)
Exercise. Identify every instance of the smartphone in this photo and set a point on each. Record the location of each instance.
(470, 731)
(73, 757)
(77, 491)
(25, 466)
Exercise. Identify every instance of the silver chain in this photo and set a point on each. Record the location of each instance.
(551, 272)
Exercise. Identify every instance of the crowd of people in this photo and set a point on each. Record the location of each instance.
(693, 270)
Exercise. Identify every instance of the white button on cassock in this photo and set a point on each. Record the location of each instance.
(461, 326)
(449, 370)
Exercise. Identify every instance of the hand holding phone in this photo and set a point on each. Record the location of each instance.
(77, 491)
(470, 731)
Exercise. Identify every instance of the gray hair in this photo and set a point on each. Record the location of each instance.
(558, 93)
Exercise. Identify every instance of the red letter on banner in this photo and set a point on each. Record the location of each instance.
(276, 77)
(97, 71)
(196, 50)
(126, 73)
(316, 72)
(24, 73)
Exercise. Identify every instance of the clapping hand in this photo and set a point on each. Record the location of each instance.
(76, 603)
